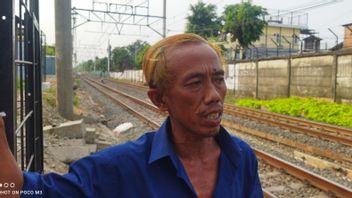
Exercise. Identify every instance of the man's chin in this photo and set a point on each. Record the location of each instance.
(212, 131)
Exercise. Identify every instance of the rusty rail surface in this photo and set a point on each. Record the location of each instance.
(294, 127)
(299, 121)
(312, 178)
(302, 174)
(151, 123)
(284, 141)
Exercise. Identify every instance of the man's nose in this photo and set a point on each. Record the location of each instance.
(212, 93)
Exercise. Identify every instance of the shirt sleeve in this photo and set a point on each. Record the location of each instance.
(255, 189)
(86, 178)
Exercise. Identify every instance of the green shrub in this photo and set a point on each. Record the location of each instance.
(320, 110)
(49, 96)
(75, 100)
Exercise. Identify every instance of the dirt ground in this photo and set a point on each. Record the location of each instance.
(98, 112)
(87, 110)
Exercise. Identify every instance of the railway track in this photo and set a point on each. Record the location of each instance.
(344, 157)
(300, 173)
(328, 132)
(299, 125)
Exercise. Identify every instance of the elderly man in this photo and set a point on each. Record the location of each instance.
(191, 155)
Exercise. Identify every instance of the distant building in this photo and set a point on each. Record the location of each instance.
(281, 36)
(348, 36)
(279, 39)
(50, 68)
(312, 43)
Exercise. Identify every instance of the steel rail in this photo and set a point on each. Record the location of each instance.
(291, 127)
(141, 102)
(284, 141)
(134, 85)
(151, 123)
(302, 174)
(300, 121)
(305, 175)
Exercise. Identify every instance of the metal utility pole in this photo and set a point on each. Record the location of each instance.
(63, 36)
(164, 19)
(337, 38)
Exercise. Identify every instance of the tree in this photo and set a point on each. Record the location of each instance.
(121, 59)
(50, 50)
(101, 64)
(140, 56)
(203, 20)
(86, 66)
(245, 22)
(134, 48)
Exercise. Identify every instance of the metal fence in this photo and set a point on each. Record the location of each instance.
(20, 80)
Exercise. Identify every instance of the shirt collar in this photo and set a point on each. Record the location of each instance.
(162, 145)
(228, 146)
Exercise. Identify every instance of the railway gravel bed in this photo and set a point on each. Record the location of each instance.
(138, 93)
(287, 154)
(117, 115)
(298, 137)
(284, 185)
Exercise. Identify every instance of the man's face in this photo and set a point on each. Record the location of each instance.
(196, 93)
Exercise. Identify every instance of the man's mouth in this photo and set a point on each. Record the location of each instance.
(213, 116)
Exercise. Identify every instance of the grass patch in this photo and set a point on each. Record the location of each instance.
(49, 96)
(310, 108)
(75, 101)
(77, 82)
(230, 97)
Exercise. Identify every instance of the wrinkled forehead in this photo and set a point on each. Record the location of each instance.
(193, 58)
(190, 51)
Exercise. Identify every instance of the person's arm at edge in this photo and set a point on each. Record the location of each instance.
(9, 171)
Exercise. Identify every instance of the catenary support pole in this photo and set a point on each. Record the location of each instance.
(164, 19)
(63, 48)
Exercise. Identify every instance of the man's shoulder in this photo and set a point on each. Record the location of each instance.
(241, 146)
(241, 143)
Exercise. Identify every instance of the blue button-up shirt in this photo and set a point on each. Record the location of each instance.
(149, 167)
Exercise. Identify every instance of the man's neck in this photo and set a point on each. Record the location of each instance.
(199, 149)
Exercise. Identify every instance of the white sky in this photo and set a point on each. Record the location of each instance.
(93, 44)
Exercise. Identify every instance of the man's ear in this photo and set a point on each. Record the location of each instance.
(157, 99)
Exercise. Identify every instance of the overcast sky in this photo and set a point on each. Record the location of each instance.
(91, 42)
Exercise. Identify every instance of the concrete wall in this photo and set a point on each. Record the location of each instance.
(245, 79)
(133, 75)
(344, 78)
(272, 79)
(318, 75)
(312, 76)
(326, 75)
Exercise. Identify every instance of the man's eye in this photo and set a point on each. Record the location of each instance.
(219, 80)
(195, 83)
